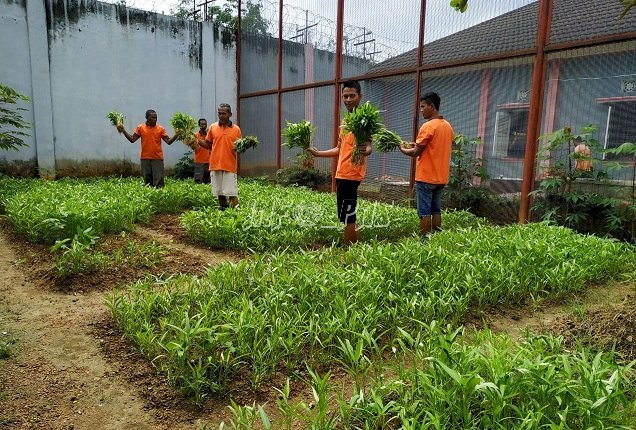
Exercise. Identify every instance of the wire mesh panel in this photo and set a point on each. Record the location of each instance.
(376, 32)
(316, 106)
(309, 41)
(485, 29)
(586, 166)
(258, 118)
(388, 174)
(259, 46)
(585, 20)
(488, 104)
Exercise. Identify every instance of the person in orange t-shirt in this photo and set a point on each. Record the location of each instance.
(151, 135)
(220, 141)
(201, 155)
(349, 175)
(433, 151)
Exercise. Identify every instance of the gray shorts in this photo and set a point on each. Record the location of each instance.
(202, 173)
(153, 172)
(224, 184)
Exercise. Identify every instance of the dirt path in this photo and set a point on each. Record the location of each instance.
(57, 377)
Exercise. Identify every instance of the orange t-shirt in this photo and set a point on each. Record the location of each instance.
(433, 165)
(151, 141)
(346, 168)
(222, 156)
(201, 155)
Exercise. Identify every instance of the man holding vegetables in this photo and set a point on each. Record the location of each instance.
(433, 151)
(151, 135)
(201, 155)
(350, 172)
(220, 140)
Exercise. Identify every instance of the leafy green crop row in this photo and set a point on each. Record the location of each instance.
(47, 211)
(272, 217)
(491, 382)
(280, 310)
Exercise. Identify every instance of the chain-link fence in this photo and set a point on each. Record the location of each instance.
(542, 95)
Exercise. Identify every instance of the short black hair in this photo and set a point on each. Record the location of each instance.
(431, 98)
(226, 106)
(149, 111)
(202, 119)
(352, 84)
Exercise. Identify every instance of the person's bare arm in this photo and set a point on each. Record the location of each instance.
(411, 149)
(169, 140)
(131, 139)
(333, 152)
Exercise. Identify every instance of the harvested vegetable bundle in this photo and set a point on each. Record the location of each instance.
(299, 135)
(116, 118)
(242, 145)
(363, 122)
(185, 127)
(386, 141)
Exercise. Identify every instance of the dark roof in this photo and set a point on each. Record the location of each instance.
(572, 20)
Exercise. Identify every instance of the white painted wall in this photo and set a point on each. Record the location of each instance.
(97, 57)
(15, 68)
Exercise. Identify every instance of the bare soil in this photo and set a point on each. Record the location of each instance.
(70, 368)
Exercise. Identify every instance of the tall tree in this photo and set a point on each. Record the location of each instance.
(227, 15)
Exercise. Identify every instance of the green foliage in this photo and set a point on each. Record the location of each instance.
(271, 217)
(364, 122)
(245, 143)
(116, 118)
(226, 15)
(299, 176)
(386, 140)
(465, 166)
(11, 121)
(459, 5)
(56, 210)
(299, 135)
(6, 347)
(184, 168)
(185, 126)
(558, 201)
(284, 310)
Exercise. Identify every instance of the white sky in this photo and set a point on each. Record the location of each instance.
(400, 25)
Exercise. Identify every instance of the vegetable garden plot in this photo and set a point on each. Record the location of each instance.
(271, 217)
(50, 211)
(281, 310)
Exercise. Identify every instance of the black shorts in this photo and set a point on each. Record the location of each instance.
(347, 200)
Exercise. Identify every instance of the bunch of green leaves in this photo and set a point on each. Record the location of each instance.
(364, 121)
(76, 254)
(116, 118)
(12, 123)
(299, 135)
(284, 310)
(386, 141)
(245, 143)
(185, 126)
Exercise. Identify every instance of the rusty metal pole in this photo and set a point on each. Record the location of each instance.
(279, 102)
(238, 75)
(418, 89)
(336, 85)
(536, 109)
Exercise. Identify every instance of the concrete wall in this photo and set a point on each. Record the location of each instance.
(79, 59)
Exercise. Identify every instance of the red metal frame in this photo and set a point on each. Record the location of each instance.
(418, 90)
(542, 47)
(336, 85)
(536, 104)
